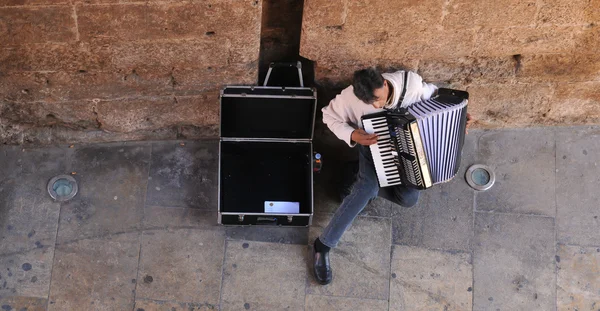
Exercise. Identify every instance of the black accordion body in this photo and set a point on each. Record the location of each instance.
(421, 145)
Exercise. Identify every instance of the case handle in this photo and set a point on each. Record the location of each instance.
(297, 64)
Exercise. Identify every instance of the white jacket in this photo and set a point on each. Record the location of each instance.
(343, 113)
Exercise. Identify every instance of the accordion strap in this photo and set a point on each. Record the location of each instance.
(401, 99)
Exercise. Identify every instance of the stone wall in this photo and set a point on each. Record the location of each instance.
(93, 70)
(524, 62)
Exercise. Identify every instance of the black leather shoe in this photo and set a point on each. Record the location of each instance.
(322, 268)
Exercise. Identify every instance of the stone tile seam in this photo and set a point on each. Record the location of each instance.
(141, 230)
(442, 250)
(53, 257)
(171, 301)
(512, 214)
(362, 216)
(597, 246)
(341, 296)
(141, 237)
(82, 4)
(223, 262)
(555, 221)
(474, 210)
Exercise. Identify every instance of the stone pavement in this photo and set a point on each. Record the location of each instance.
(142, 234)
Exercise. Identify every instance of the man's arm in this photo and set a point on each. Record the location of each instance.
(336, 118)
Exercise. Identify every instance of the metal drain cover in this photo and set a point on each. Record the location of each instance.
(62, 188)
(480, 177)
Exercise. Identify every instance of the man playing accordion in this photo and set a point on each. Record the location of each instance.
(370, 92)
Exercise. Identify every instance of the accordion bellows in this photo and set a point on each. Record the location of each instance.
(420, 146)
(441, 128)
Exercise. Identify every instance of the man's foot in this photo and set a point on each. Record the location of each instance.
(321, 266)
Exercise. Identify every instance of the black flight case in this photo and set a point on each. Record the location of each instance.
(266, 157)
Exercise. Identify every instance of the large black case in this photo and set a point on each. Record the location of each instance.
(266, 155)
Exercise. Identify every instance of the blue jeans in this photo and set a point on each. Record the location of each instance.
(365, 188)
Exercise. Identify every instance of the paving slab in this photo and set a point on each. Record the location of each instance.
(285, 235)
(514, 264)
(156, 305)
(95, 274)
(360, 263)
(425, 279)
(28, 216)
(112, 182)
(184, 174)
(443, 217)
(28, 221)
(156, 217)
(524, 163)
(318, 303)
(26, 273)
(263, 276)
(181, 264)
(20, 303)
(578, 284)
(577, 180)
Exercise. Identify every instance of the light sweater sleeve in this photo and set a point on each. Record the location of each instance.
(428, 90)
(335, 115)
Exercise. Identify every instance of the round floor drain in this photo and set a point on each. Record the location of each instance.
(62, 188)
(480, 177)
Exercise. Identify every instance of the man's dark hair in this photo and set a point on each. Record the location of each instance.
(365, 82)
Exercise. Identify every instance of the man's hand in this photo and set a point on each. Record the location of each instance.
(469, 122)
(361, 137)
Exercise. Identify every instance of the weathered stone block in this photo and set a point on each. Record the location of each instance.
(500, 105)
(183, 54)
(524, 164)
(443, 217)
(513, 261)
(556, 12)
(577, 174)
(52, 57)
(466, 13)
(95, 273)
(317, 303)
(154, 305)
(466, 70)
(318, 13)
(19, 25)
(172, 20)
(158, 217)
(576, 103)
(184, 176)
(578, 286)
(24, 303)
(181, 265)
(127, 115)
(32, 2)
(567, 68)
(189, 82)
(110, 200)
(425, 279)
(245, 265)
(361, 262)
(586, 38)
(26, 273)
(525, 40)
(416, 32)
(78, 115)
(341, 71)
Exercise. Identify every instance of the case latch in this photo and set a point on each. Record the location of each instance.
(241, 218)
(290, 218)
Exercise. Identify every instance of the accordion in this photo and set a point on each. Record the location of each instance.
(421, 145)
